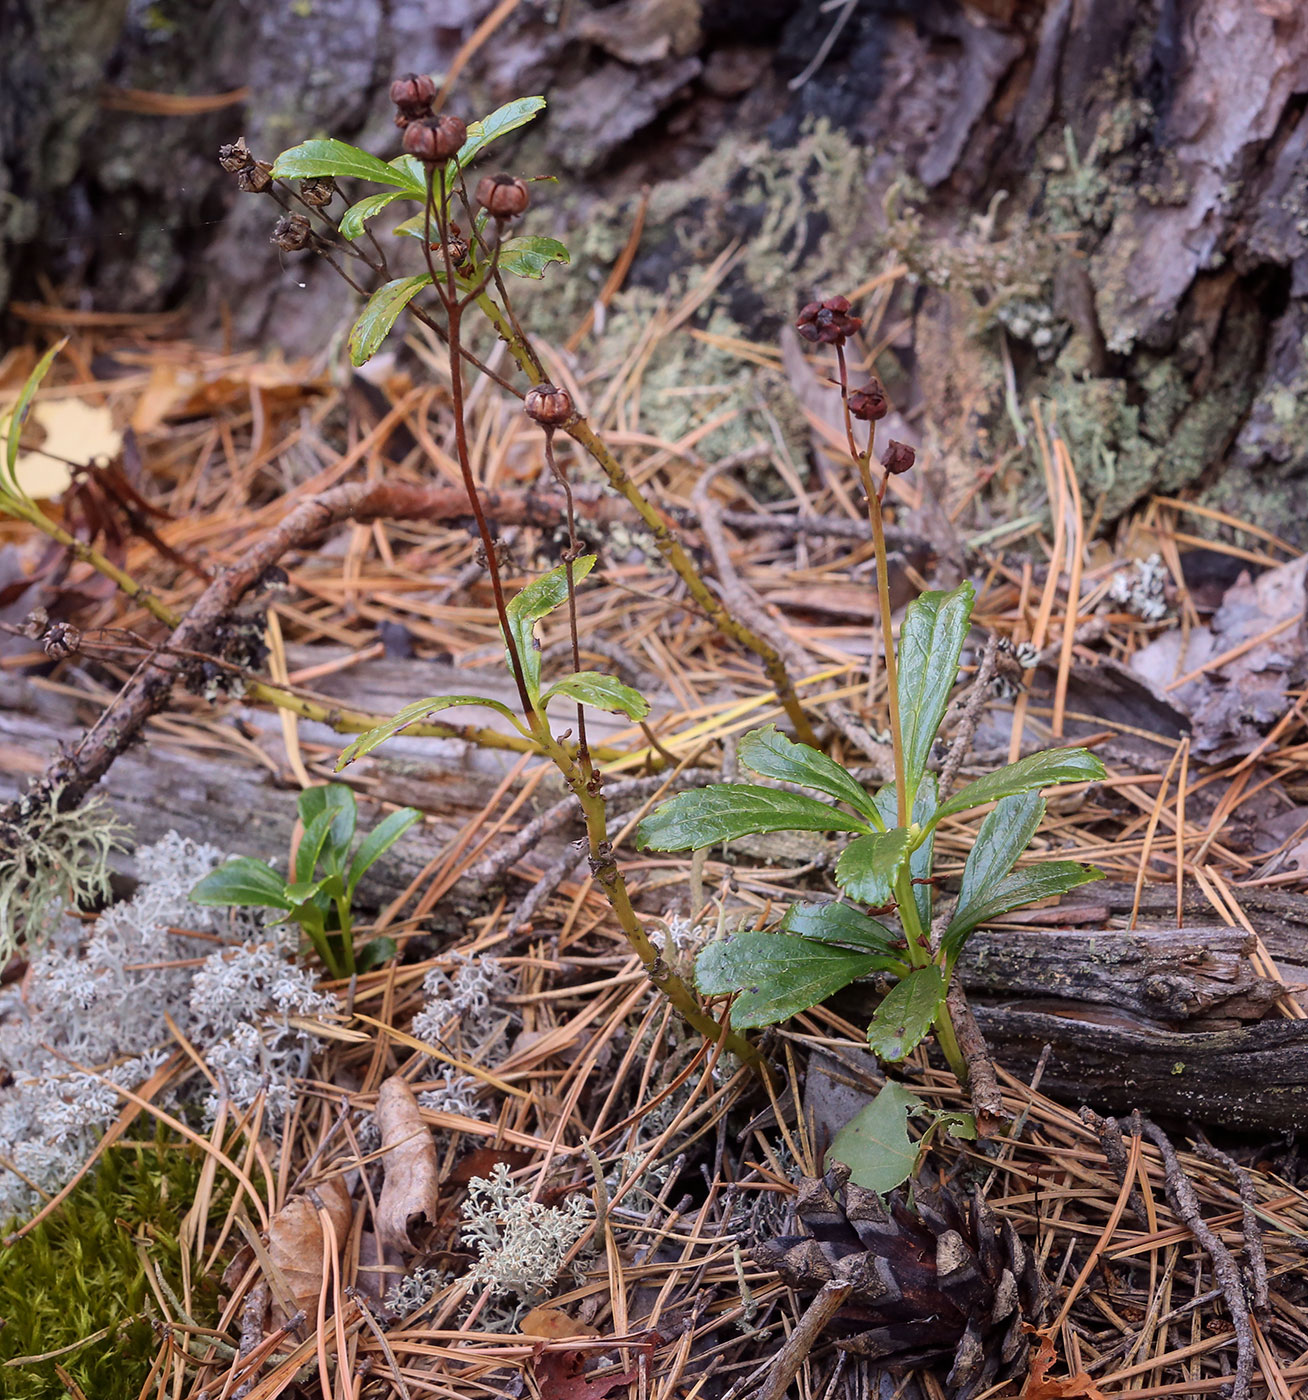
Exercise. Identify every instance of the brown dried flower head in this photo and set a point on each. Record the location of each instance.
(318, 192)
(827, 322)
(898, 458)
(413, 95)
(252, 176)
(547, 405)
(869, 402)
(292, 233)
(436, 139)
(503, 196)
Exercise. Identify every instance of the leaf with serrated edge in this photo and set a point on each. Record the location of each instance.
(770, 754)
(244, 882)
(1036, 771)
(920, 862)
(1003, 836)
(380, 314)
(832, 922)
(356, 217)
(930, 644)
(776, 974)
(869, 866)
(540, 597)
(906, 1013)
(414, 714)
(1017, 888)
(339, 159)
(600, 691)
(377, 842)
(703, 817)
(875, 1145)
(529, 257)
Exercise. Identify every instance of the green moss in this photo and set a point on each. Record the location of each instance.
(80, 1272)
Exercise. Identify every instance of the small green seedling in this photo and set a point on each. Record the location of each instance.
(320, 891)
(887, 866)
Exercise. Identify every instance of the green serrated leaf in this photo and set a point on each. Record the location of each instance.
(832, 922)
(930, 644)
(869, 866)
(500, 122)
(529, 257)
(355, 218)
(776, 974)
(337, 800)
(17, 416)
(311, 844)
(906, 1013)
(692, 820)
(244, 882)
(1039, 770)
(377, 842)
(415, 714)
(380, 314)
(875, 1145)
(540, 597)
(922, 859)
(600, 691)
(1017, 888)
(339, 159)
(303, 891)
(770, 754)
(1004, 835)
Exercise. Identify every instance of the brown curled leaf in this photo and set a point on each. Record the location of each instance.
(295, 1243)
(407, 1211)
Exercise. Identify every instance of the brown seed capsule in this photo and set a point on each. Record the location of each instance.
(235, 157)
(869, 402)
(827, 322)
(292, 233)
(502, 196)
(899, 457)
(456, 247)
(435, 139)
(255, 179)
(61, 641)
(413, 94)
(548, 406)
(319, 191)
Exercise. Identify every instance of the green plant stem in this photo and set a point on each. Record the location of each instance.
(665, 541)
(347, 933)
(33, 515)
(609, 878)
(920, 955)
(903, 798)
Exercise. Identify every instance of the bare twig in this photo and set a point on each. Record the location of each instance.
(785, 1365)
(1181, 1195)
(982, 1082)
(1255, 1257)
(973, 708)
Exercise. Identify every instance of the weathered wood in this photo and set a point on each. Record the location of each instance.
(1168, 975)
(1253, 1076)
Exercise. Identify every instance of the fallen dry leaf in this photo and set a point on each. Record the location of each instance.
(560, 1376)
(1042, 1386)
(295, 1242)
(408, 1209)
(553, 1324)
(73, 431)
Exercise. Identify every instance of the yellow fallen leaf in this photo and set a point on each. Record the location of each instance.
(72, 431)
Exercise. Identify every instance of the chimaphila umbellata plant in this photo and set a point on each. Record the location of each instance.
(886, 869)
(467, 245)
(318, 893)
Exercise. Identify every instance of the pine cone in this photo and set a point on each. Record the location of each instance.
(938, 1281)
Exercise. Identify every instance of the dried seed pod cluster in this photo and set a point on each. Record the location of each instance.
(827, 322)
(318, 192)
(252, 176)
